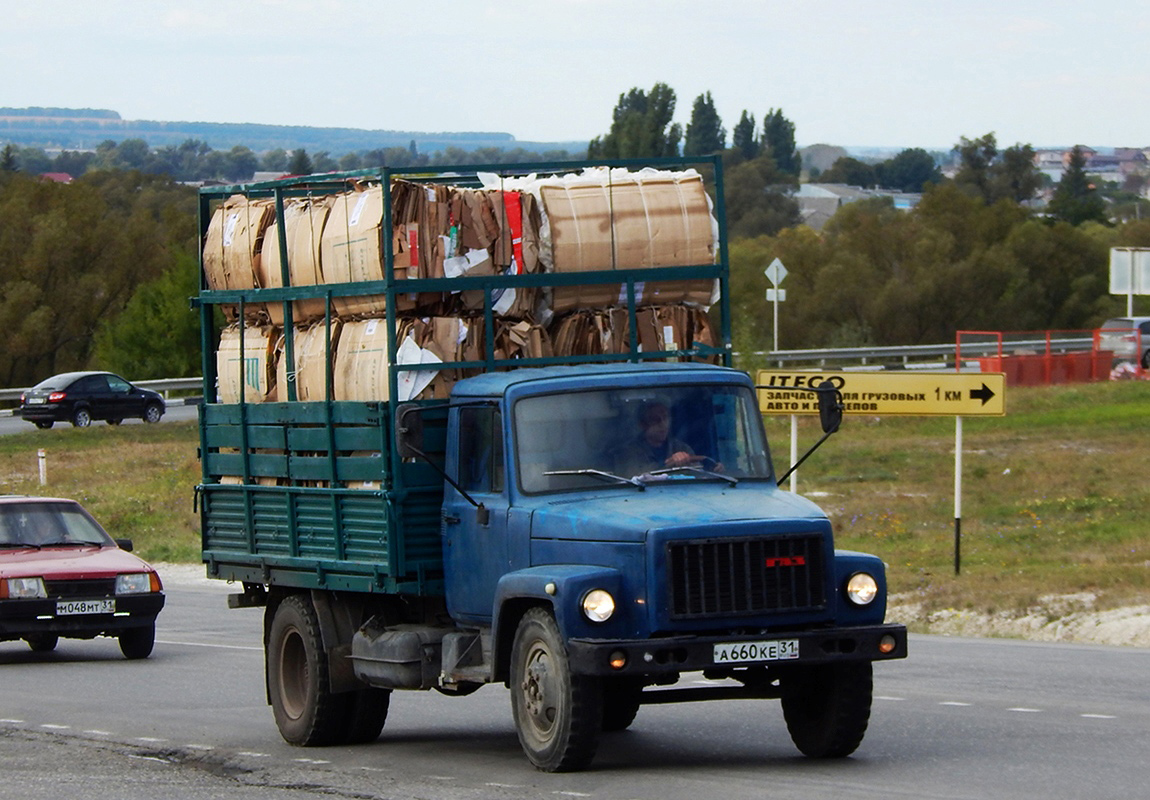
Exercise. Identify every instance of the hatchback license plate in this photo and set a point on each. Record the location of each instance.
(35, 401)
(753, 652)
(65, 608)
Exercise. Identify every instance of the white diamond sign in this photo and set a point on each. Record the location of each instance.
(775, 272)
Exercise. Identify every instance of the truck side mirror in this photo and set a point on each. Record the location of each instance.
(409, 431)
(830, 407)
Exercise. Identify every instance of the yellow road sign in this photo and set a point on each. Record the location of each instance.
(887, 393)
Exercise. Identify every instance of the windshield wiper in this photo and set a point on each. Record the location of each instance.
(697, 470)
(20, 546)
(598, 473)
(71, 543)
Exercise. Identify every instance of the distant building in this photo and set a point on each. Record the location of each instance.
(56, 177)
(818, 202)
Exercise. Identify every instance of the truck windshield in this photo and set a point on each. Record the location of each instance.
(596, 438)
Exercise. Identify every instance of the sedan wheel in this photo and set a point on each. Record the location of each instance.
(46, 423)
(153, 413)
(42, 642)
(82, 418)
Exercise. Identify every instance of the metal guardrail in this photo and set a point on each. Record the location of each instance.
(865, 356)
(909, 353)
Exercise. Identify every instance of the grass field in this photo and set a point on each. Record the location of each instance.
(1055, 494)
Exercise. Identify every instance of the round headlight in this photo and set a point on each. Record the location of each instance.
(862, 588)
(598, 605)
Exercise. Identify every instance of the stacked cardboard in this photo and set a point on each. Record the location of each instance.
(608, 331)
(247, 371)
(310, 348)
(304, 220)
(610, 219)
(233, 245)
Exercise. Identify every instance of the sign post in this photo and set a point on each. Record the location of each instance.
(775, 273)
(914, 394)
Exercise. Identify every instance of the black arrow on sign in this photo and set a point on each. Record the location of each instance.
(984, 394)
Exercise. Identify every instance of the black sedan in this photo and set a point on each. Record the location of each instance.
(80, 397)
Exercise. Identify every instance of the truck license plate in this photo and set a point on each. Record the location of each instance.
(752, 652)
(72, 607)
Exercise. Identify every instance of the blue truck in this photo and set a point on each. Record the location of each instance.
(585, 528)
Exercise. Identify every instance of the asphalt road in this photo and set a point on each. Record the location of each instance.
(176, 411)
(961, 718)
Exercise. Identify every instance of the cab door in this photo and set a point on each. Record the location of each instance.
(475, 538)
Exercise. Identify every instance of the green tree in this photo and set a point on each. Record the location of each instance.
(779, 142)
(705, 131)
(71, 257)
(850, 171)
(158, 333)
(758, 197)
(240, 164)
(1014, 176)
(274, 160)
(1075, 198)
(743, 137)
(299, 163)
(975, 158)
(909, 171)
(8, 162)
(641, 126)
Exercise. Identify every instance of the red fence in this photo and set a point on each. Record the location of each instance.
(1053, 364)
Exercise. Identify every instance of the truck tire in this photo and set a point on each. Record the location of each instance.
(306, 711)
(827, 708)
(620, 703)
(366, 714)
(558, 715)
(137, 643)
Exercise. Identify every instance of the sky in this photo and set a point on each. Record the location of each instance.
(853, 73)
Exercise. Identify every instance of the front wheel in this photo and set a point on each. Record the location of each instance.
(44, 424)
(306, 711)
(153, 413)
(558, 715)
(138, 642)
(42, 642)
(827, 708)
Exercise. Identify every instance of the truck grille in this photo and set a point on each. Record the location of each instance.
(721, 577)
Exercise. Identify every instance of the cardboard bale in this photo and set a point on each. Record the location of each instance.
(304, 221)
(311, 358)
(361, 361)
(611, 220)
(248, 372)
(658, 328)
(233, 245)
(352, 251)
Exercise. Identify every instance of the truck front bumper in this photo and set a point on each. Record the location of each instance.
(674, 654)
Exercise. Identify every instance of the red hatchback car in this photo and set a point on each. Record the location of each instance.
(62, 575)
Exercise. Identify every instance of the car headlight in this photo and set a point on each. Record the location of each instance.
(598, 605)
(862, 588)
(24, 588)
(133, 583)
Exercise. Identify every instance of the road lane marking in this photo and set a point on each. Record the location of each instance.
(150, 739)
(95, 732)
(12, 721)
(887, 697)
(52, 727)
(1098, 716)
(1022, 710)
(253, 754)
(953, 703)
(209, 644)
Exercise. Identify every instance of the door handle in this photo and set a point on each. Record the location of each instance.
(450, 519)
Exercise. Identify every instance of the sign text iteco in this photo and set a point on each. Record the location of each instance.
(886, 393)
